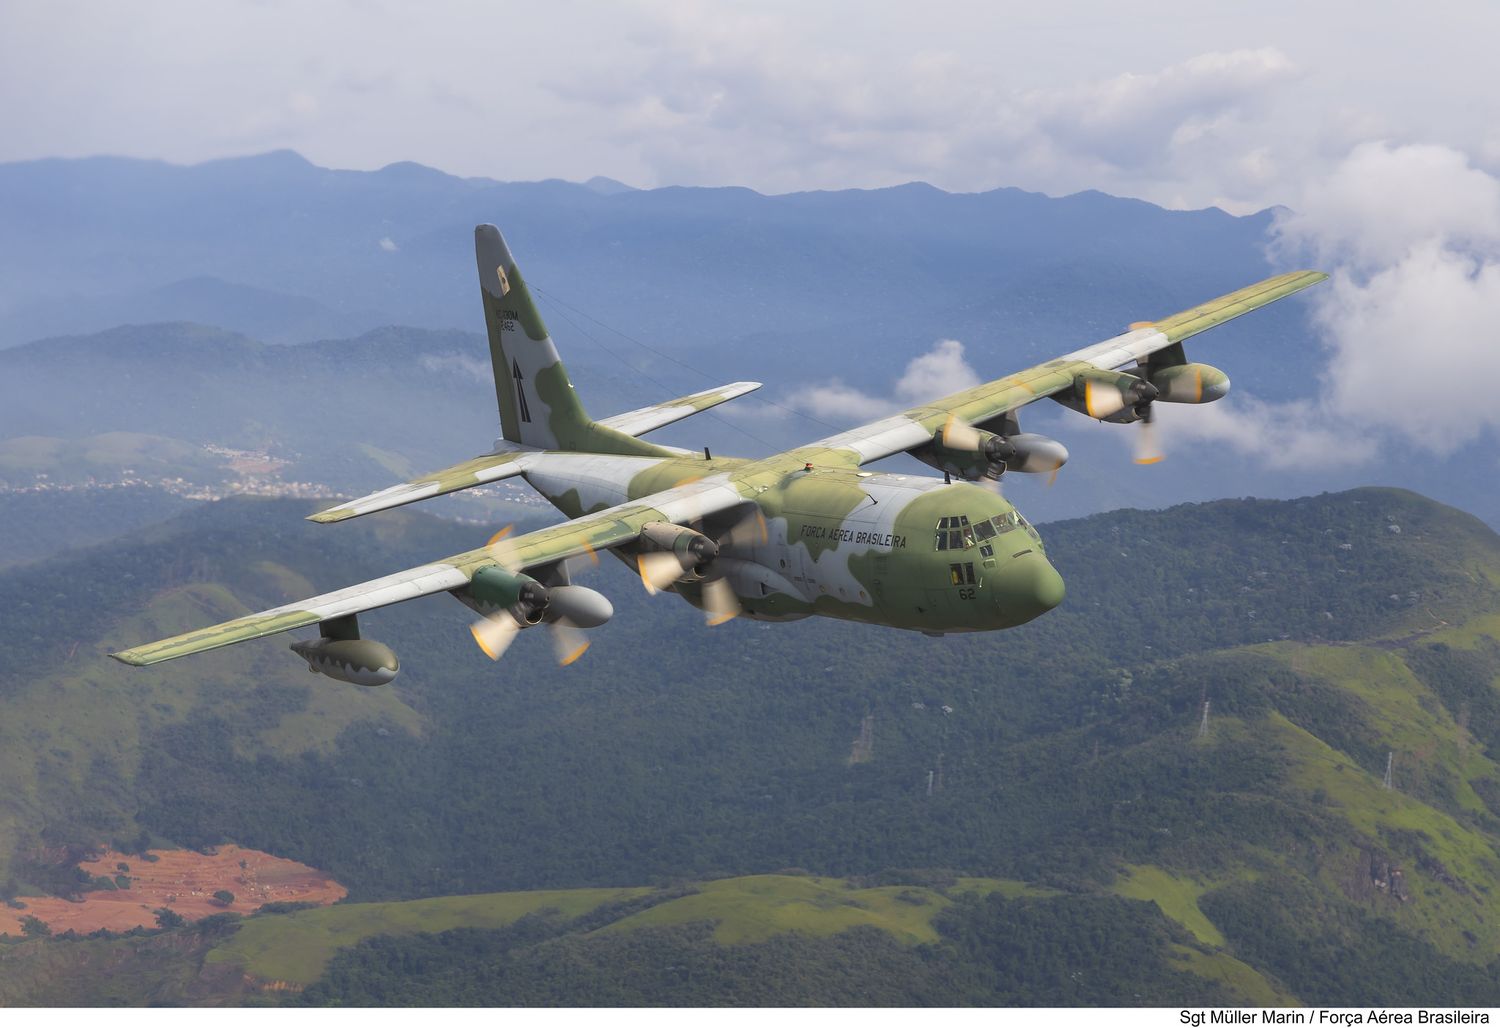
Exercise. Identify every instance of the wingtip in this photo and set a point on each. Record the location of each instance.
(328, 517)
(129, 657)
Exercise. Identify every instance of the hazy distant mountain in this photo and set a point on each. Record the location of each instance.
(271, 316)
(706, 285)
(869, 276)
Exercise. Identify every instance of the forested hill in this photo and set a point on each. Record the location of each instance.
(1327, 638)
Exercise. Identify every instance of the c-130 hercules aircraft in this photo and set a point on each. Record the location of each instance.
(801, 533)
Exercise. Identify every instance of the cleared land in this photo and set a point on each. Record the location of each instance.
(182, 880)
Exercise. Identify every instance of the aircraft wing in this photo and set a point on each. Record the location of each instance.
(917, 426)
(600, 531)
(647, 419)
(492, 467)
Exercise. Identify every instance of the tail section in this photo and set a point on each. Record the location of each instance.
(538, 406)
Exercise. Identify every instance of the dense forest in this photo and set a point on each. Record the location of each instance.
(1058, 753)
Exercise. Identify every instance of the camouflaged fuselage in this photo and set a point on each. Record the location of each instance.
(899, 550)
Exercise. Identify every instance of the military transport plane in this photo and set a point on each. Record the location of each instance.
(801, 533)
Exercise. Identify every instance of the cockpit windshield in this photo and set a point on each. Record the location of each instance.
(958, 533)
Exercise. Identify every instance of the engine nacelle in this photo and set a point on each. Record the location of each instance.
(995, 454)
(694, 550)
(1113, 396)
(524, 596)
(1036, 454)
(584, 607)
(357, 661)
(1190, 383)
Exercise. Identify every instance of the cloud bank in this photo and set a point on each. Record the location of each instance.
(938, 372)
(1410, 320)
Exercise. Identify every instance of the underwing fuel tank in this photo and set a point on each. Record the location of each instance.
(357, 661)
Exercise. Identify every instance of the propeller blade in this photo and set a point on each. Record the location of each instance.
(719, 601)
(502, 548)
(1102, 400)
(658, 570)
(748, 531)
(495, 634)
(1147, 451)
(568, 641)
(960, 435)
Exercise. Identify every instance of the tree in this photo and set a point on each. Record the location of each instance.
(34, 927)
(166, 917)
(224, 897)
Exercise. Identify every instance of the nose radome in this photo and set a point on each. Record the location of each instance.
(1029, 587)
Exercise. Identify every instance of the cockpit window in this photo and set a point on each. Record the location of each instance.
(1007, 521)
(954, 533)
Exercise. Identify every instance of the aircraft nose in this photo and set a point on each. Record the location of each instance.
(1029, 587)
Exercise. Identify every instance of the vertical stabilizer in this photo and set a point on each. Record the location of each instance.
(538, 406)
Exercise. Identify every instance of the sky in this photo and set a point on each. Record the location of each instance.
(1185, 104)
(1375, 126)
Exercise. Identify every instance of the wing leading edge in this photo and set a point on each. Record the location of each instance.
(494, 467)
(917, 426)
(601, 531)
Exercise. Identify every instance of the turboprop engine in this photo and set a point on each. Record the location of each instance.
(531, 602)
(670, 552)
(972, 453)
(1189, 383)
(1113, 396)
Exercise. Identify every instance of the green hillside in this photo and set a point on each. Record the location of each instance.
(1260, 857)
(764, 940)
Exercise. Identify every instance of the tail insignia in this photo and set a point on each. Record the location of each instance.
(515, 369)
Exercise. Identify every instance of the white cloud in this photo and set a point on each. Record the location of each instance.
(1382, 201)
(840, 401)
(1410, 320)
(936, 373)
(388, 244)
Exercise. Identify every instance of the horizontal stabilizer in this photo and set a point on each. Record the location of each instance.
(639, 422)
(490, 468)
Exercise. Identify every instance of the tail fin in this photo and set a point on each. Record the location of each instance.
(538, 406)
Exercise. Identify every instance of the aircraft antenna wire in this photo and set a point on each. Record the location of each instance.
(668, 357)
(558, 305)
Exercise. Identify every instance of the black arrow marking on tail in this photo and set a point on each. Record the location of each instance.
(515, 369)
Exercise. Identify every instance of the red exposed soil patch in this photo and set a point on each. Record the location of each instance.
(183, 880)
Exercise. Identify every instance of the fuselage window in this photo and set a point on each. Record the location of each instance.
(961, 574)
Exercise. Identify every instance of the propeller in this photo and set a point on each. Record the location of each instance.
(567, 609)
(495, 633)
(1104, 399)
(719, 601)
(960, 435)
(659, 569)
(1147, 447)
(678, 556)
(568, 641)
